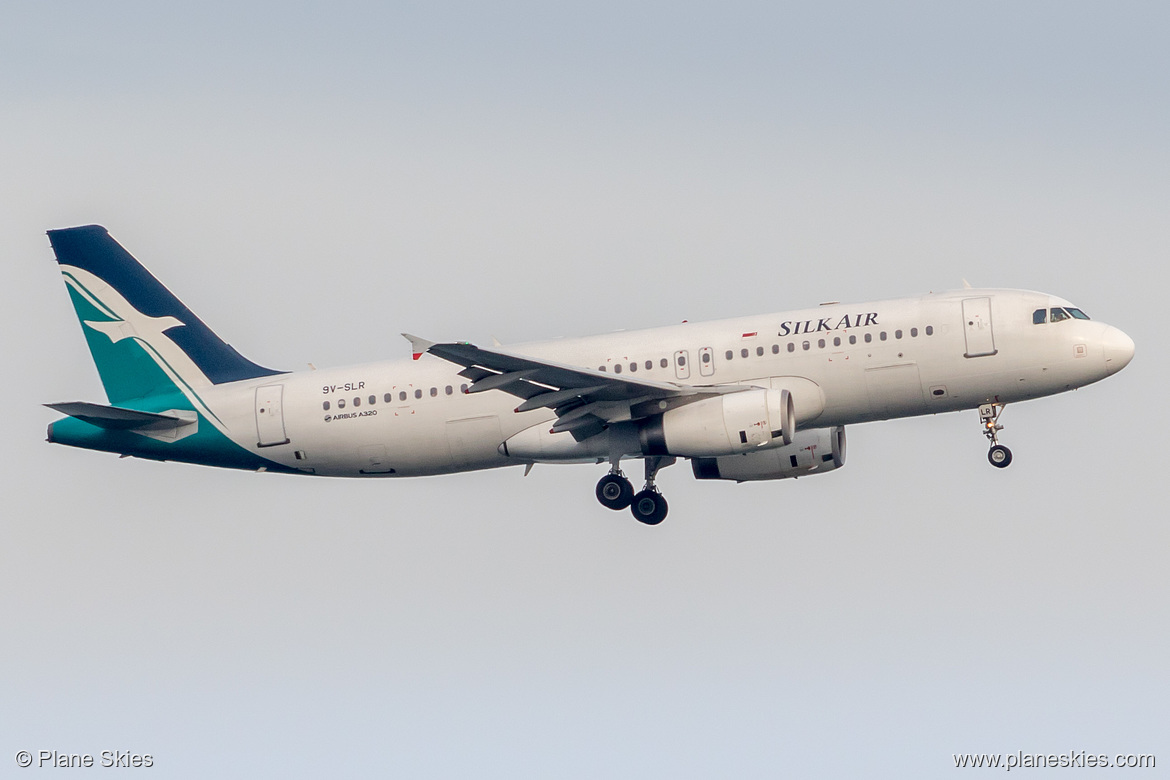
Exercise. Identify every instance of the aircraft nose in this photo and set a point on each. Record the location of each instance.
(1118, 349)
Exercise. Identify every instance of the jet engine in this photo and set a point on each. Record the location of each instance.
(811, 452)
(723, 425)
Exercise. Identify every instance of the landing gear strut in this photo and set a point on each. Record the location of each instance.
(649, 506)
(999, 455)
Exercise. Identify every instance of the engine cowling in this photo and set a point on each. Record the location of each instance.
(811, 452)
(722, 425)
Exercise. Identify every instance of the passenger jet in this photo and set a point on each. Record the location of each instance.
(751, 398)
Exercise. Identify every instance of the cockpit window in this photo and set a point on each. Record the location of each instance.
(1077, 313)
(1040, 316)
(1059, 314)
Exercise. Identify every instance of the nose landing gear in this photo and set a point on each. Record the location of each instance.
(999, 455)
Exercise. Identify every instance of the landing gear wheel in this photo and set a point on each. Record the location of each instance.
(615, 491)
(1000, 456)
(649, 507)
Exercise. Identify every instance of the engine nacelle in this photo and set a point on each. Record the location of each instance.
(811, 452)
(723, 425)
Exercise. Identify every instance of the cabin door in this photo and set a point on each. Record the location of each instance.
(977, 327)
(270, 416)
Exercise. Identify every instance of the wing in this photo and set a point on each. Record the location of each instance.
(585, 400)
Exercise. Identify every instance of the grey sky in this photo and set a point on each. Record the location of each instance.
(314, 179)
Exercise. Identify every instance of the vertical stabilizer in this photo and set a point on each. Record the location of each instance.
(144, 341)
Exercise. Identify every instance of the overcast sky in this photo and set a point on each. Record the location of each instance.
(312, 179)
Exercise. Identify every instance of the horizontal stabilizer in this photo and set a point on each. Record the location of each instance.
(119, 419)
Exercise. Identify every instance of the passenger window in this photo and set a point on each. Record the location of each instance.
(868, 337)
(401, 395)
(325, 406)
(387, 398)
(898, 334)
(791, 347)
(759, 351)
(449, 390)
(357, 401)
(821, 343)
(633, 366)
(743, 353)
(664, 363)
(1077, 313)
(852, 339)
(929, 330)
(914, 333)
(649, 364)
(775, 349)
(682, 360)
(617, 368)
(434, 391)
(836, 341)
(601, 368)
(882, 335)
(418, 393)
(1039, 317)
(373, 399)
(340, 403)
(463, 388)
(1059, 315)
(729, 354)
(805, 346)
(705, 357)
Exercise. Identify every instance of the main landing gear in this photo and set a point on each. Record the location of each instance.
(648, 506)
(999, 455)
(614, 491)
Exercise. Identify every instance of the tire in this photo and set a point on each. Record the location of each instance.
(999, 456)
(615, 492)
(649, 507)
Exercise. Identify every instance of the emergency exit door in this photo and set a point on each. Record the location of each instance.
(270, 416)
(977, 327)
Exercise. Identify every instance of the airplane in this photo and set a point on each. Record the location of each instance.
(750, 398)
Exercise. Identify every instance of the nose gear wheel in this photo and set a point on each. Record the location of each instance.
(999, 455)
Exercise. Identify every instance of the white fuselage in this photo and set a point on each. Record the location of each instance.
(843, 364)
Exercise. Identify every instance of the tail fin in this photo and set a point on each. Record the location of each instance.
(142, 338)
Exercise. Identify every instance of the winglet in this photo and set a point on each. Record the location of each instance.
(418, 346)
